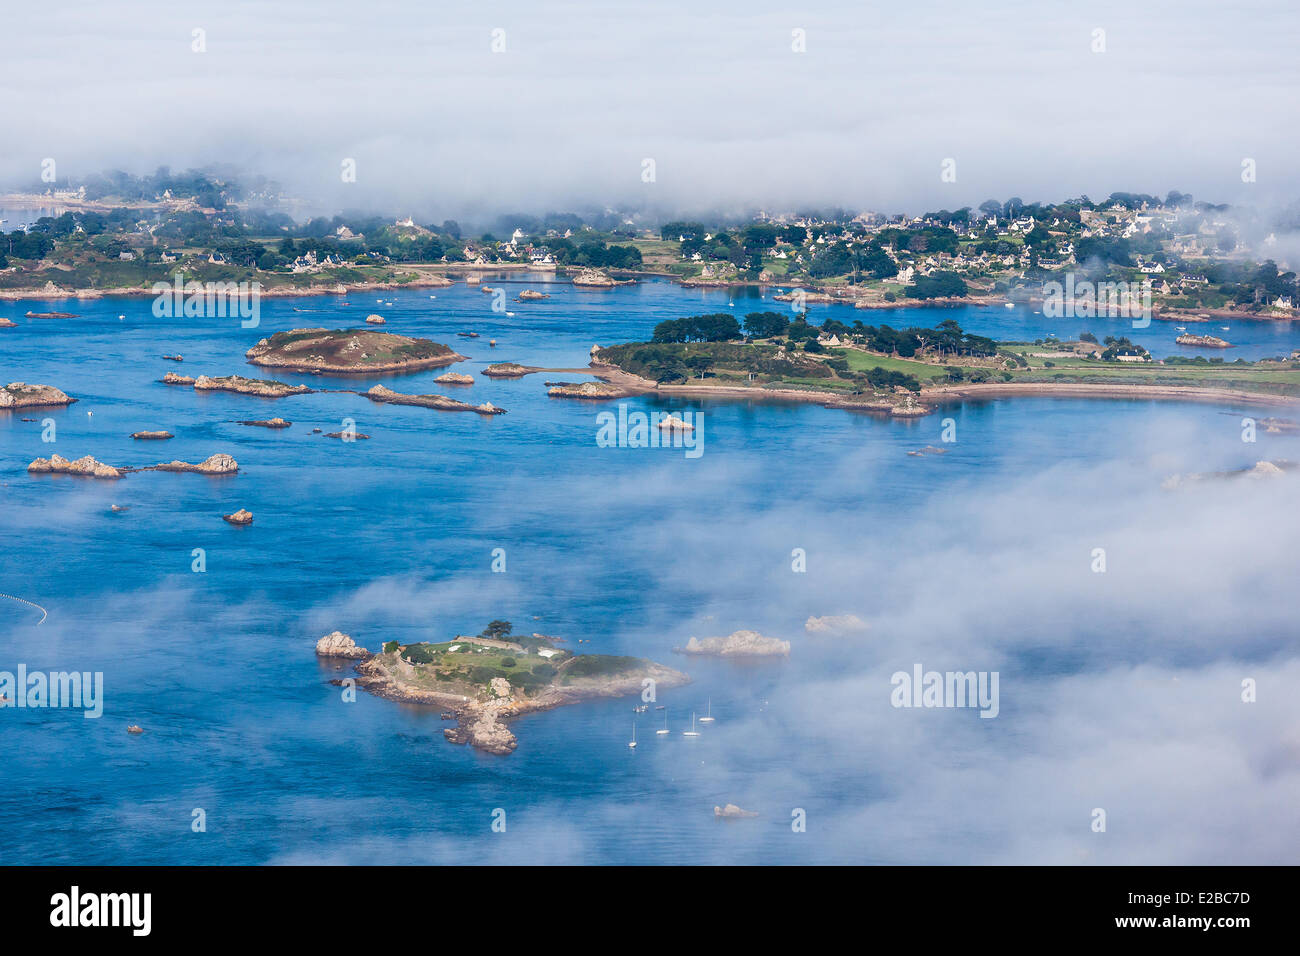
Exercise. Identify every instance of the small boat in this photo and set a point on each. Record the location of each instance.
(640, 710)
(1011, 305)
(664, 731)
(1180, 328)
(692, 732)
(708, 718)
(1225, 328)
(659, 706)
(632, 743)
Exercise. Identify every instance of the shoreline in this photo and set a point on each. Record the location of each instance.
(814, 295)
(933, 397)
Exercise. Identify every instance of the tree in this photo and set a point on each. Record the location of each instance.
(764, 325)
(497, 630)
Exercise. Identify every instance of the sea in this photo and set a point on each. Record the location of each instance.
(1043, 542)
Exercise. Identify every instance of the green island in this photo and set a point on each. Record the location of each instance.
(906, 372)
(494, 676)
(349, 351)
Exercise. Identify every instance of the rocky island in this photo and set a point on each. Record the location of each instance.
(486, 680)
(454, 378)
(507, 370)
(22, 395)
(349, 351)
(1203, 341)
(441, 402)
(261, 387)
(589, 390)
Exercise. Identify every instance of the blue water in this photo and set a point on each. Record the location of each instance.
(967, 560)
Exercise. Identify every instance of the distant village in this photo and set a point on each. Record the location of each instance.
(1194, 255)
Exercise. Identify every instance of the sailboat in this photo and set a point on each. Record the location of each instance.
(664, 731)
(632, 743)
(708, 719)
(692, 732)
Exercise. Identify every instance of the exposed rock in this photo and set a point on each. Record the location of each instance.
(835, 624)
(6, 323)
(338, 644)
(454, 378)
(507, 370)
(592, 390)
(347, 351)
(267, 423)
(152, 436)
(673, 423)
(135, 729)
(117, 509)
(733, 812)
(737, 644)
(218, 464)
(593, 279)
(85, 466)
(1261, 469)
(348, 436)
(928, 450)
(472, 280)
(264, 388)
(1203, 341)
(174, 358)
(374, 320)
(441, 402)
(500, 686)
(51, 315)
(171, 378)
(240, 517)
(22, 395)
(530, 295)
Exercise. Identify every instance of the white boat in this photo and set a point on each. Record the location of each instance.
(664, 731)
(692, 732)
(708, 718)
(632, 743)
(1224, 327)
(1180, 328)
(1011, 305)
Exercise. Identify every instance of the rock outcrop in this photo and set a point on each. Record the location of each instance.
(1203, 341)
(338, 644)
(374, 320)
(454, 378)
(441, 402)
(266, 423)
(85, 467)
(590, 390)
(152, 436)
(218, 464)
(240, 517)
(733, 812)
(673, 423)
(737, 644)
(22, 395)
(172, 378)
(507, 370)
(531, 295)
(261, 387)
